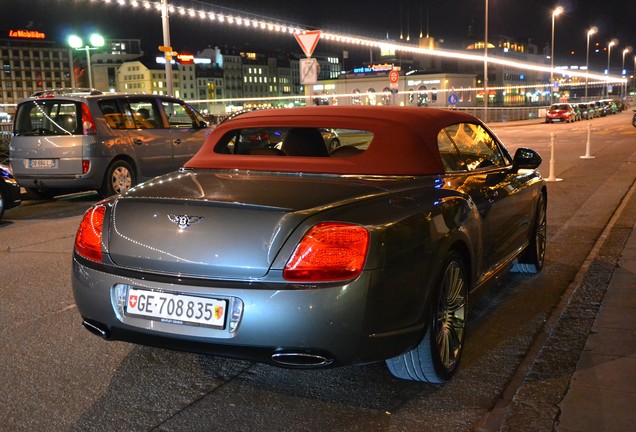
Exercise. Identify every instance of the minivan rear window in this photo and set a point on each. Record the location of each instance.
(48, 117)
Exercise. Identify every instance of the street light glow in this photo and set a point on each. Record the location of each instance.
(75, 41)
(97, 40)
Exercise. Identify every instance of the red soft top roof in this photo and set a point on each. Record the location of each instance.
(404, 140)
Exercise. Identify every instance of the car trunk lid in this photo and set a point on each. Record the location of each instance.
(219, 225)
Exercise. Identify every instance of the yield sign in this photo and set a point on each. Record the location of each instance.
(308, 41)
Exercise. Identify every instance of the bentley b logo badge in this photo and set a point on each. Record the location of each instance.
(184, 221)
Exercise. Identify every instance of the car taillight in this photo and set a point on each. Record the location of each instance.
(86, 165)
(88, 241)
(329, 251)
(88, 124)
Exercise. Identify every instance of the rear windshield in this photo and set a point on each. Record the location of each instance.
(294, 141)
(559, 107)
(48, 117)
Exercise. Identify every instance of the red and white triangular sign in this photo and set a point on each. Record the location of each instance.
(308, 41)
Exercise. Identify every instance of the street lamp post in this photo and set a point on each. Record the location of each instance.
(609, 51)
(558, 11)
(165, 26)
(623, 72)
(486, 66)
(590, 32)
(96, 41)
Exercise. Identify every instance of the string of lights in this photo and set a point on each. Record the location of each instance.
(414, 92)
(207, 11)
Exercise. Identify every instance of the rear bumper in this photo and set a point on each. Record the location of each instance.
(277, 326)
(50, 179)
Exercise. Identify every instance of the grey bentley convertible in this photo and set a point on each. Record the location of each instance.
(273, 245)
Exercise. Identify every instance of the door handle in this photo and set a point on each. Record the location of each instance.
(138, 141)
(176, 141)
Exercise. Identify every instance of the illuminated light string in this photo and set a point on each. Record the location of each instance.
(381, 93)
(287, 28)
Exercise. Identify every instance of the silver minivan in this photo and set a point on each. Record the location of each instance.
(65, 142)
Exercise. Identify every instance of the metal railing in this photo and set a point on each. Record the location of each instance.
(506, 114)
(5, 136)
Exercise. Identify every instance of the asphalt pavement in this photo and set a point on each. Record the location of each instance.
(578, 374)
(594, 389)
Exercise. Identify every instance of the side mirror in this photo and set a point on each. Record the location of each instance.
(526, 159)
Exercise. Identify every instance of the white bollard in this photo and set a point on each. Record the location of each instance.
(588, 145)
(551, 177)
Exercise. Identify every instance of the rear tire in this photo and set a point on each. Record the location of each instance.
(436, 358)
(118, 179)
(533, 257)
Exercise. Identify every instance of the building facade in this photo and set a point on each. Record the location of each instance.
(30, 63)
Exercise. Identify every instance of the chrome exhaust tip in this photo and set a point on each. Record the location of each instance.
(96, 329)
(300, 360)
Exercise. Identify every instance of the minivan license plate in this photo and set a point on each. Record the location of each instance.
(176, 308)
(42, 163)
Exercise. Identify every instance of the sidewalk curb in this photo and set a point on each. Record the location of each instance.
(530, 400)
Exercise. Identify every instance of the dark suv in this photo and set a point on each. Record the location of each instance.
(63, 141)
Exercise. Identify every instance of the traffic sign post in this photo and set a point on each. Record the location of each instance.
(453, 99)
(308, 41)
(309, 68)
(394, 78)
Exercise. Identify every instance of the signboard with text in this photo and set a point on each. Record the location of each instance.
(26, 34)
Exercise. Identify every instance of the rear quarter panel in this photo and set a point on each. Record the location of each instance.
(411, 233)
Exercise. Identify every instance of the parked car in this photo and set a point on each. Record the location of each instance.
(561, 112)
(610, 106)
(66, 141)
(592, 111)
(298, 257)
(9, 190)
(332, 141)
(601, 108)
(583, 110)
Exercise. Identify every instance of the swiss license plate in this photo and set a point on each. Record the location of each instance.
(176, 308)
(42, 163)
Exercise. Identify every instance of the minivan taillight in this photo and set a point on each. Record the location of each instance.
(329, 251)
(88, 124)
(88, 241)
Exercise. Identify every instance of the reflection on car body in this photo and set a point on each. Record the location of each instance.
(298, 257)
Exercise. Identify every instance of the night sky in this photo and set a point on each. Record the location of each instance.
(452, 20)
